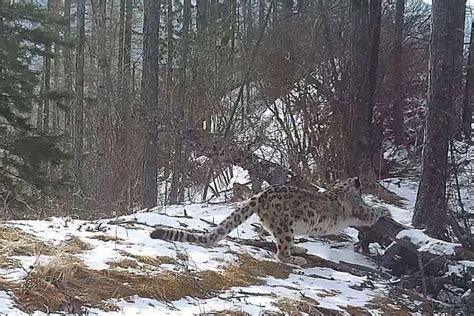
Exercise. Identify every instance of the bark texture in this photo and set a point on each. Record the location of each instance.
(79, 104)
(444, 91)
(397, 107)
(151, 99)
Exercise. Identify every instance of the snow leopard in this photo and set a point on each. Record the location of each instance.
(287, 211)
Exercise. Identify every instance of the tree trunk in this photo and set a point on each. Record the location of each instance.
(179, 163)
(121, 44)
(359, 121)
(150, 93)
(169, 85)
(79, 104)
(1, 19)
(374, 44)
(67, 60)
(469, 90)
(398, 108)
(102, 132)
(46, 81)
(261, 13)
(127, 50)
(445, 78)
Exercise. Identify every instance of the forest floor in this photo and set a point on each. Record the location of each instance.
(112, 267)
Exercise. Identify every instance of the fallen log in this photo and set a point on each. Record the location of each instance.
(316, 261)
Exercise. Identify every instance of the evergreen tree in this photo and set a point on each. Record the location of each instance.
(23, 149)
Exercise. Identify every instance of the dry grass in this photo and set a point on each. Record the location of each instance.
(74, 245)
(49, 286)
(389, 306)
(107, 238)
(9, 263)
(123, 263)
(15, 242)
(155, 261)
(225, 313)
(306, 305)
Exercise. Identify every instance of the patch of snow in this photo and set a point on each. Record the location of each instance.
(426, 243)
(7, 307)
(332, 289)
(405, 188)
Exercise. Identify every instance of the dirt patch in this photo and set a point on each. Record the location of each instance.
(52, 285)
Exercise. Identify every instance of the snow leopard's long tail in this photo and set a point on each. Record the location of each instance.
(231, 222)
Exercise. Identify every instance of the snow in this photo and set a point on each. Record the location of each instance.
(330, 288)
(426, 243)
(137, 242)
(404, 188)
(7, 306)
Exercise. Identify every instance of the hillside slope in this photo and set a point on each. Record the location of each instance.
(112, 267)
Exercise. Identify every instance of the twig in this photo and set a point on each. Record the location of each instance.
(422, 274)
(458, 190)
(118, 222)
(212, 224)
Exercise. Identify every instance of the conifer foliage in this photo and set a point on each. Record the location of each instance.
(25, 152)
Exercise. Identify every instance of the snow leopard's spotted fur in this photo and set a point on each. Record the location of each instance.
(286, 211)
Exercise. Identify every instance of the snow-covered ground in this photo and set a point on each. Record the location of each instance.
(109, 242)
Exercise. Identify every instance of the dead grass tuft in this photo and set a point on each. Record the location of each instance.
(149, 260)
(225, 313)
(61, 268)
(356, 310)
(49, 286)
(75, 245)
(107, 238)
(155, 261)
(389, 306)
(123, 263)
(15, 242)
(306, 305)
(9, 263)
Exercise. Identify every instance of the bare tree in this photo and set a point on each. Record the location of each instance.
(103, 97)
(179, 163)
(47, 81)
(68, 74)
(375, 16)
(444, 89)
(151, 99)
(469, 90)
(359, 121)
(79, 104)
(397, 108)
